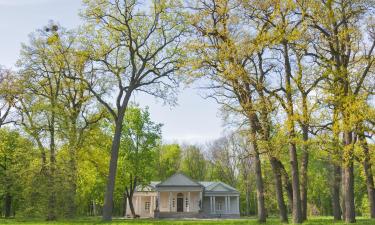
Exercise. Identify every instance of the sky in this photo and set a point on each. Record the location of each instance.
(194, 120)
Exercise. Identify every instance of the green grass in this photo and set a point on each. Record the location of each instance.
(251, 221)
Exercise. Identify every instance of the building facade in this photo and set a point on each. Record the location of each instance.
(181, 197)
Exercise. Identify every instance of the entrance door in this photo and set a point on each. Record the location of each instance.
(180, 204)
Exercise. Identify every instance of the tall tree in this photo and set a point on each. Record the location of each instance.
(54, 107)
(139, 141)
(221, 53)
(15, 152)
(130, 50)
(348, 68)
(194, 163)
(168, 160)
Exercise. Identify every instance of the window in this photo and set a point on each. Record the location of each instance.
(173, 203)
(147, 206)
(187, 202)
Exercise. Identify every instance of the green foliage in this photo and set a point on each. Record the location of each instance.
(168, 159)
(194, 163)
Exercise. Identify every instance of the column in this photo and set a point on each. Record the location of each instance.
(151, 204)
(214, 204)
(238, 204)
(226, 204)
(229, 210)
(170, 201)
(211, 209)
(158, 201)
(201, 201)
(139, 204)
(188, 208)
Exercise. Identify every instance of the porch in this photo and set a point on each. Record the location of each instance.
(180, 201)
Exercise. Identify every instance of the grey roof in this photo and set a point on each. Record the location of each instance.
(217, 187)
(147, 188)
(179, 179)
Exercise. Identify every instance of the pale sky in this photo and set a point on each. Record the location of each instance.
(195, 120)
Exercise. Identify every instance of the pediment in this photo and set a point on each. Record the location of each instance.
(179, 179)
(220, 187)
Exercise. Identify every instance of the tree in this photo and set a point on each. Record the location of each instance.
(55, 110)
(218, 54)
(130, 50)
(193, 162)
(15, 154)
(139, 140)
(348, 68)
(168, 160)
(8, 94)
(224, 159)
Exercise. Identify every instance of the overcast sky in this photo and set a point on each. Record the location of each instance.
(194, 120)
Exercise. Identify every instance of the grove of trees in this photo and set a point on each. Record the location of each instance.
(295, 80)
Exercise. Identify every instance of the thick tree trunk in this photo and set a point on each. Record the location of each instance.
(258, 172)
(304, 167)
(349, 193)
(349, 179)
(297, 212)
(260, 188)
(336, 192)
(7, 205)
(108, 198)
(279, 191)
(286, 182)
(369, 176)
(342, 194)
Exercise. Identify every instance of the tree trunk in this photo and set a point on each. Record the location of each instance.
(108, 199)
(73, 148)
(336, 192)
(258, 171)
(369, 176)
(52, 172)
(131, 206)
(286, 181)
(297, 212)
(260, 188)
(349, 179)
(304, 177)
(349, 193)
(342, 194)
(7, 205)
(279, 191)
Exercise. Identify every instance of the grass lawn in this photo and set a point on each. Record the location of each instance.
(251, 221)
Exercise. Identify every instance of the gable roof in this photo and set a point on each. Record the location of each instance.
(147, 188)
(218, 187)
(179, 179)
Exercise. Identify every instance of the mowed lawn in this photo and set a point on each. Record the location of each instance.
(89, 221)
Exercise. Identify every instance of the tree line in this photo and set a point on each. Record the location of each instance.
(294, 79)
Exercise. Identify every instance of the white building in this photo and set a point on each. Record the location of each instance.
(180, 196)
